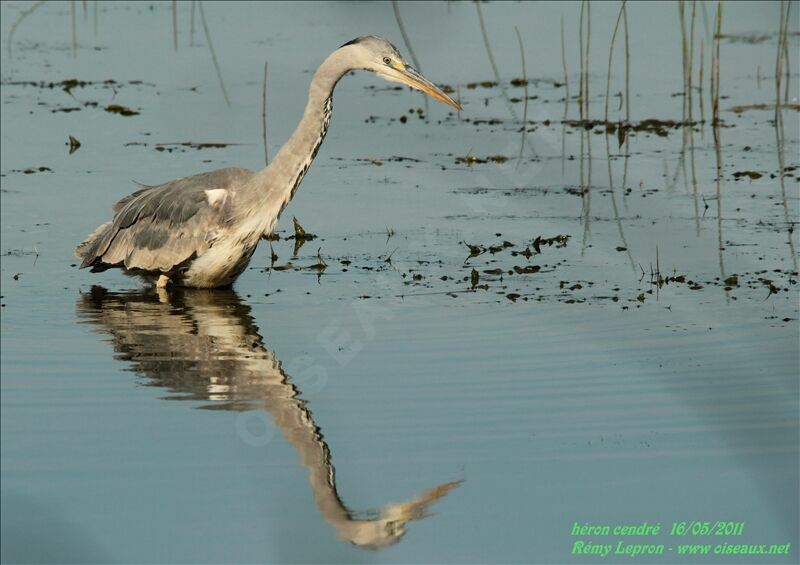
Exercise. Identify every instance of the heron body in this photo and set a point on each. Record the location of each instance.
(201, 231)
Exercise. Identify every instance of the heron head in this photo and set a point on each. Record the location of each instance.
(373, 53)
(378, 533)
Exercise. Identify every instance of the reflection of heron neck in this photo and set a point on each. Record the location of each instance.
(205, 346)
(292, 162)
(294, 420)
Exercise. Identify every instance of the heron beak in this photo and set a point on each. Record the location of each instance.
(412, 78)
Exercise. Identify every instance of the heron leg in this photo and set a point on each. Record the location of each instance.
(163, 281)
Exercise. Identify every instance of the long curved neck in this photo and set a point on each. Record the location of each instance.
(297, 425)
(276, 183)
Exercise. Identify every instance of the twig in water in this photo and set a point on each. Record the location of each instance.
(717, 37)
(610, 56)
(191, 24)
(566, 102)
(486, 42)
(711, 85)
(525, 106)
(658, 263)
(264, 114)
(74, 30)
(614, 202)
(22, 15)
(580, 54)
(786, 53)
(586, 58)
(627, 66)
(213, 54)
(700, 82)
(389, 256)
(779, 131)
(691, 63)
(681, 20)
(497, 78)
(407, 43)
(782, 55)
(564, 65)
(779, 61)
(175, 25)
(705, 19)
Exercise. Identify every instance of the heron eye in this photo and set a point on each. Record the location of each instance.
(387, 60)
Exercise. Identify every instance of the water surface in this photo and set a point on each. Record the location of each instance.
(638, 363)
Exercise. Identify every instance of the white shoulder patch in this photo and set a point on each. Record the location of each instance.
(216, 196)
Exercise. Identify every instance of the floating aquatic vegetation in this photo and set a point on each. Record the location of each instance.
(18, 253)
(32, 170)
(482, 84)
(745, 107)
(659, 127)
(320, 265)
(73, 144)
(752, 175)
(121, 110)
(299, 233)
(557, 240)
(527, 270)
(497, 248)
(488, 122)
(472, 160)
(68, 85)
(300, 236)
(371, 160)
(170, 147)
(749, 38)
(770, 285)
(527, 253)
(474, 250)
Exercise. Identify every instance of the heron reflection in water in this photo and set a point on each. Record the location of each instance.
(206, 346)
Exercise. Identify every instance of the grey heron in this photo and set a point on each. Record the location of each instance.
(201, 231)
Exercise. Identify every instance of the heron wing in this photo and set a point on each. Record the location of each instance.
(162, 227)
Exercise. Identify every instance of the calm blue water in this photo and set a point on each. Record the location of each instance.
(385, 411)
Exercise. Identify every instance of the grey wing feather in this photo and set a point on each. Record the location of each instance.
(123, 201)
(161, 228)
